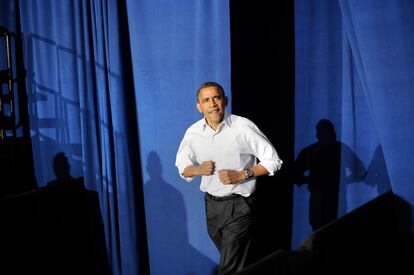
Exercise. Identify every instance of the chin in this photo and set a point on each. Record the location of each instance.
(216, 118)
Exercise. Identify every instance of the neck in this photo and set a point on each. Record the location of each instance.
(214, 125)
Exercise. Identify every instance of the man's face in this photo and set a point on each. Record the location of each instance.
(212, 104)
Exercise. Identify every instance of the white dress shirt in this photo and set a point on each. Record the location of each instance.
(236, 145)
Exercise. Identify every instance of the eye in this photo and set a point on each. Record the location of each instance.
(204, 100)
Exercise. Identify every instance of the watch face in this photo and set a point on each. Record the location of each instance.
(249, 173)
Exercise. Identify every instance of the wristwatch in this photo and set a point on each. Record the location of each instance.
(249, 173)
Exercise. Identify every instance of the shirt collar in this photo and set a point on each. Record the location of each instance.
(226, 121)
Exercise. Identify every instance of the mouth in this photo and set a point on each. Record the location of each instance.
(215, 111)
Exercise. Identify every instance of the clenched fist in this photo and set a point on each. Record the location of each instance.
(230, 176)
(206, 168)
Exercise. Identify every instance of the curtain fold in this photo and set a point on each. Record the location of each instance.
(371, 74)
(80, 91)
(381, 40)
(380, 43)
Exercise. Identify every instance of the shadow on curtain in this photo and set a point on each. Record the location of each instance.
(353, 67)
(82, 103)
(177, 46)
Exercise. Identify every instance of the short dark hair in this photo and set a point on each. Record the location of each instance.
(211, 84)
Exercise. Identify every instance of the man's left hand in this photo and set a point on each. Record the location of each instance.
(230, 176)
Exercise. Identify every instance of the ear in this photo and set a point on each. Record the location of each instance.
(226, 100)
(199, 107)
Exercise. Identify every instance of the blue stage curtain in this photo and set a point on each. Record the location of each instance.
(176, 46)
(112, 84)
(80, 86)
(354, 67)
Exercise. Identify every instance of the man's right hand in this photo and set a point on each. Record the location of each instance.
(206, 168)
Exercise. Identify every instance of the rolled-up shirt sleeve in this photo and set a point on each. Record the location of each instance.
(185, 157)
(263, 149)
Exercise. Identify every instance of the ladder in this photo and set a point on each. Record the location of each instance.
(7, 95)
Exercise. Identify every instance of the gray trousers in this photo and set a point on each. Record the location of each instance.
(230, 223)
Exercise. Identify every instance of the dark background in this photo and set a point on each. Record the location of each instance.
(263, 91)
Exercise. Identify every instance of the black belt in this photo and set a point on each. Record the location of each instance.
(224, 198)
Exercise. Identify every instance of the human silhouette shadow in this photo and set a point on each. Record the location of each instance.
(68, 220)
(61, 168)
(326, 166)
(169, 248)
